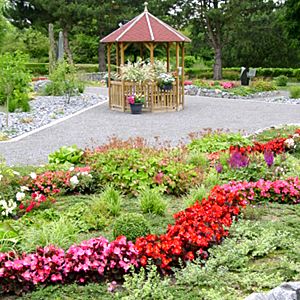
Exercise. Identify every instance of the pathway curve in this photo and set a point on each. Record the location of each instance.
(92, 127)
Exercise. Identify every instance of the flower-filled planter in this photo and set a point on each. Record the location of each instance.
(165, 81)
(166, 87)
(136, 103)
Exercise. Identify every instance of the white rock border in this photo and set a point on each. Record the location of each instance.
(22, 136)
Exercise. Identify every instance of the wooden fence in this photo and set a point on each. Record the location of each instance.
(156, 99)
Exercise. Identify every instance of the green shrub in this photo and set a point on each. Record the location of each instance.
(112, 200)
(64, 81)
(87, 68)
(295, 92)
(38, 69)
(151, 202)
(281, 80)
(71, 154)
(189, 61)
(231, 75)
(213, 142)
(297, 74)
(146, 285)
(85, 217)
(131, 225)
(132, 169)
(263, 85)
(14, 81)
(198, 158)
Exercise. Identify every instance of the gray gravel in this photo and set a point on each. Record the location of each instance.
(44, 110)
(271, 96)
(92, 127)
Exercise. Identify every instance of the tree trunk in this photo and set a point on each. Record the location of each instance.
(101, 57)
(218, 64)
(66, 46)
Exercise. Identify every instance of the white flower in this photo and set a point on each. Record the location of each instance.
(24, 188)
(16, 173)
(20, 196)
(7, 208)
(33, 175)
(1, 176)
(290, 143)
(86, 173)
(71, 169)
(74, 180)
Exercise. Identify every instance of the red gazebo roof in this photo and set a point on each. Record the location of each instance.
(145, 28)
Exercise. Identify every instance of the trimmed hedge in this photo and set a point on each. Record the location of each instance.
(234, 73)
(38, 69)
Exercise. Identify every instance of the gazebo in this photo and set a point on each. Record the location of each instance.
(148, 32)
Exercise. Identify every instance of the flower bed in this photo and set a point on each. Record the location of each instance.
(196, 229)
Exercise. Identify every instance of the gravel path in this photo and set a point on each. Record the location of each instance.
(92, 127)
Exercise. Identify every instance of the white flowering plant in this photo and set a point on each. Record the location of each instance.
(165, 79)
(293, 143)
(9, 187)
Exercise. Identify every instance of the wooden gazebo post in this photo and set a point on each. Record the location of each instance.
(182, 73)
(109, 73)
(148, 31)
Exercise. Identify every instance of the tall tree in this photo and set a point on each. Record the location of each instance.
(39, 13)
(293, 18)
(257, 36)
(216, 17)
(210, 15)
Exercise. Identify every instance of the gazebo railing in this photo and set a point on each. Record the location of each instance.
(156, 99)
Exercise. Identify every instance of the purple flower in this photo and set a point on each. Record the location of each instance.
(269, 158)
(238, 160)
(219, 168)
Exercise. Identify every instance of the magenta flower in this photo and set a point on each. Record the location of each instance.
(131, 99)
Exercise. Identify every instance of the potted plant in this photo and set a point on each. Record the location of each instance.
(136, 102)
(165, 81)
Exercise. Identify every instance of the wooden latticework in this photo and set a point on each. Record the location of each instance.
(156, 99)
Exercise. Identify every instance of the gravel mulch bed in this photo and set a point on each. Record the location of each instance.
(271, 97)
(44, 110)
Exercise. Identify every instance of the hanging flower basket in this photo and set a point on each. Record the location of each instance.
(166, 87)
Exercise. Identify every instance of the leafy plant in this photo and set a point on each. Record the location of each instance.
(151, 202)
(295, 92)
(263, 86)
(213, 142)
(71, 154)
(146, 285)
(281, 80)
(64, 81)
(8, 237)
(131, 225)
(14, 81)
(112, 200)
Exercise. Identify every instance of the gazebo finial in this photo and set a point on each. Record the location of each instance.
(146, 7)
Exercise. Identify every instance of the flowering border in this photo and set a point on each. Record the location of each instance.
(196, 229)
